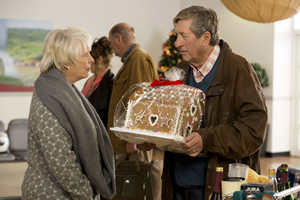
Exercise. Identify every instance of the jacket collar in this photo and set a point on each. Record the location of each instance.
(127, 52)
(137, 46)
(218, 84)
(131, 49)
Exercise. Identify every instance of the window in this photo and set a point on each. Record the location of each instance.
(297, 22)
(296, 137)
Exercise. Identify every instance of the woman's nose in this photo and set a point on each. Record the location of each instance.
(91, 59)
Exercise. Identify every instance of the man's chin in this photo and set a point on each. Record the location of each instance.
(186, 58)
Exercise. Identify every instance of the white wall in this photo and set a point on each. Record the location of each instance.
(152, 21)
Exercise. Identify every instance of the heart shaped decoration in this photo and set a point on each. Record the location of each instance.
(153, 119)
(193, 110)
(189, 129)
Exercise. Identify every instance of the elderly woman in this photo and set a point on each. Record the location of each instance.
(69, 153)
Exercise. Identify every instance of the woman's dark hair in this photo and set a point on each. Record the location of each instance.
(101, 47)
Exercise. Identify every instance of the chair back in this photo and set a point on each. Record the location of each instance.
(17, 132)
(5, 156)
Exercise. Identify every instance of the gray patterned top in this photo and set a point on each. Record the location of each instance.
(53, 172)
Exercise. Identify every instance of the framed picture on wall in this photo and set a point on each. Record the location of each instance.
(21, 49)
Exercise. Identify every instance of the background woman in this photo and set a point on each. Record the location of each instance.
(69, 153)
(98, 87)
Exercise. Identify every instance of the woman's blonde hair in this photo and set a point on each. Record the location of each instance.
(64, 47)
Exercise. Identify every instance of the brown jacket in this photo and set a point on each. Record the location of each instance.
(235, 119)
(138, 67)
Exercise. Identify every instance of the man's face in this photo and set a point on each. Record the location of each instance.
(187, 43)
(114, 44)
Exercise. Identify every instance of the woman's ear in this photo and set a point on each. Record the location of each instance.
(100, 59)
(66, 67)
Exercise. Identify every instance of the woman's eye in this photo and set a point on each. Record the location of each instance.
(86, 54)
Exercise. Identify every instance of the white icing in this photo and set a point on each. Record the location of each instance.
(153, 119)
(129, 107)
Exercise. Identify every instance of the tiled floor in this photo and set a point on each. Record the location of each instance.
(11, 174)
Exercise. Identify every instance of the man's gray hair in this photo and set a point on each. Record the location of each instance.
(204, 20)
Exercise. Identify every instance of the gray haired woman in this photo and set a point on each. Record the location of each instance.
(69, 152)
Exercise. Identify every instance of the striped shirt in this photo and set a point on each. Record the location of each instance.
(207, 66)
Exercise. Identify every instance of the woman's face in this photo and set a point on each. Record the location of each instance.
(96, 65)
(80, 70)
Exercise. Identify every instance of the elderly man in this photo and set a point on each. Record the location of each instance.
(138, 66)
(235, 119)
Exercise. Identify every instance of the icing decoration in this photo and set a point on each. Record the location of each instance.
(165, 121)
(153, 119)
(193, 110)
(139, 116)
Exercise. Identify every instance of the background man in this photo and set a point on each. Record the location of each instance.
(138, 66)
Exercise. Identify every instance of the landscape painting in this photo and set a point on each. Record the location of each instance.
(21, 50)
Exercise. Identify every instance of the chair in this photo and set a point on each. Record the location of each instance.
(4, 145)
(17, 132)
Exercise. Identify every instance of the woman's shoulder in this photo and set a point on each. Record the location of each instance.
(39, 109)
(109, 74)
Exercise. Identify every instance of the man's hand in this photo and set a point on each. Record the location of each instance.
(193, 145)
(131, 148)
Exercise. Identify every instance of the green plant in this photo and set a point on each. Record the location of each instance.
(261, 74)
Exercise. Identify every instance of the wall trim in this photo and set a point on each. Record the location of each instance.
(279, 154)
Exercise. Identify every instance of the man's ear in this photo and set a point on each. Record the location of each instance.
(207, 38)
(119, 38)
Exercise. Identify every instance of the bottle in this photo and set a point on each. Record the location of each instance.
(217, 192)
(272, 178)
(284, 183)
